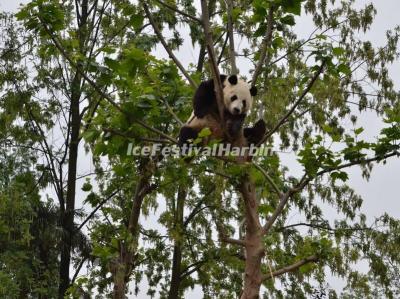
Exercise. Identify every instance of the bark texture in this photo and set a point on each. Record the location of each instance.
(254, 250)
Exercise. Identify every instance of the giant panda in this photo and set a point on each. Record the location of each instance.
(238, 100)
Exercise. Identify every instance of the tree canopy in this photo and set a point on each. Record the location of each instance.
(83, 81)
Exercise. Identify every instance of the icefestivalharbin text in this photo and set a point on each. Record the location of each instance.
(215, 150)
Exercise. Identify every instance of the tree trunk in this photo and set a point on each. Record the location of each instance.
(119, 281)
(123, 266)
(177, 256)
(68, 215)
(254, 248)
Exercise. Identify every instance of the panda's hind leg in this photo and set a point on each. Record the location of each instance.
(255, 134)
(185, 134)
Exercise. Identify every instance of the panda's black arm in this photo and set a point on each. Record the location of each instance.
(205, 101)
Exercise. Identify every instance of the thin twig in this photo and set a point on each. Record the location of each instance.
(232, 57)
(269, 179)
(173, 113)
(266, 44)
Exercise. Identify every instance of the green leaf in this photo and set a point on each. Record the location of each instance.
(204, 132)
(337, 51)
(358, 131)
(87, 186)
(341, 175)
(344, 69)
(292, 6)
(288, 20)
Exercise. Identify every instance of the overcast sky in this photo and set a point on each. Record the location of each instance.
(380, 193)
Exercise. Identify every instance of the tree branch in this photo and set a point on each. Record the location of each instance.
(165, 45)
(223, 49)
(266, 45)
(297, 103)
(78, 269)
(324, 227)
(195, 266)
(268, 178)
(172, 112)
(232, 57)
(96, 209)
(197, 208)
(291, 268)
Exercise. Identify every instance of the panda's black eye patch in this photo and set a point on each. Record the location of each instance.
(244, 103)
(234, 98)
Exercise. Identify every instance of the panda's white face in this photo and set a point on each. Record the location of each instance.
(237, 95)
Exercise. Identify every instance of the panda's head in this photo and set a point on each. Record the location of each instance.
(238, 95)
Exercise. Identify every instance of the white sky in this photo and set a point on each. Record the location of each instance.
(380, 193)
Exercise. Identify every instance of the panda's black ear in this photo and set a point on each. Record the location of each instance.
(253, 91)
(233, 79)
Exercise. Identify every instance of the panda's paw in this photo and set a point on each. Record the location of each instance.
(186, 134)
(260, 127)
(255, 134)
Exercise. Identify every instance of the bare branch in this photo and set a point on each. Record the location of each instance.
(157, 31)
(291, 268)
(309, 39)
(172, 113)
(232, 57)
(324, 227)
(266, 44)
(284, 198)
(358, 162)
(78, 269)
(193, 18)
(297, 103)
(127, 136)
